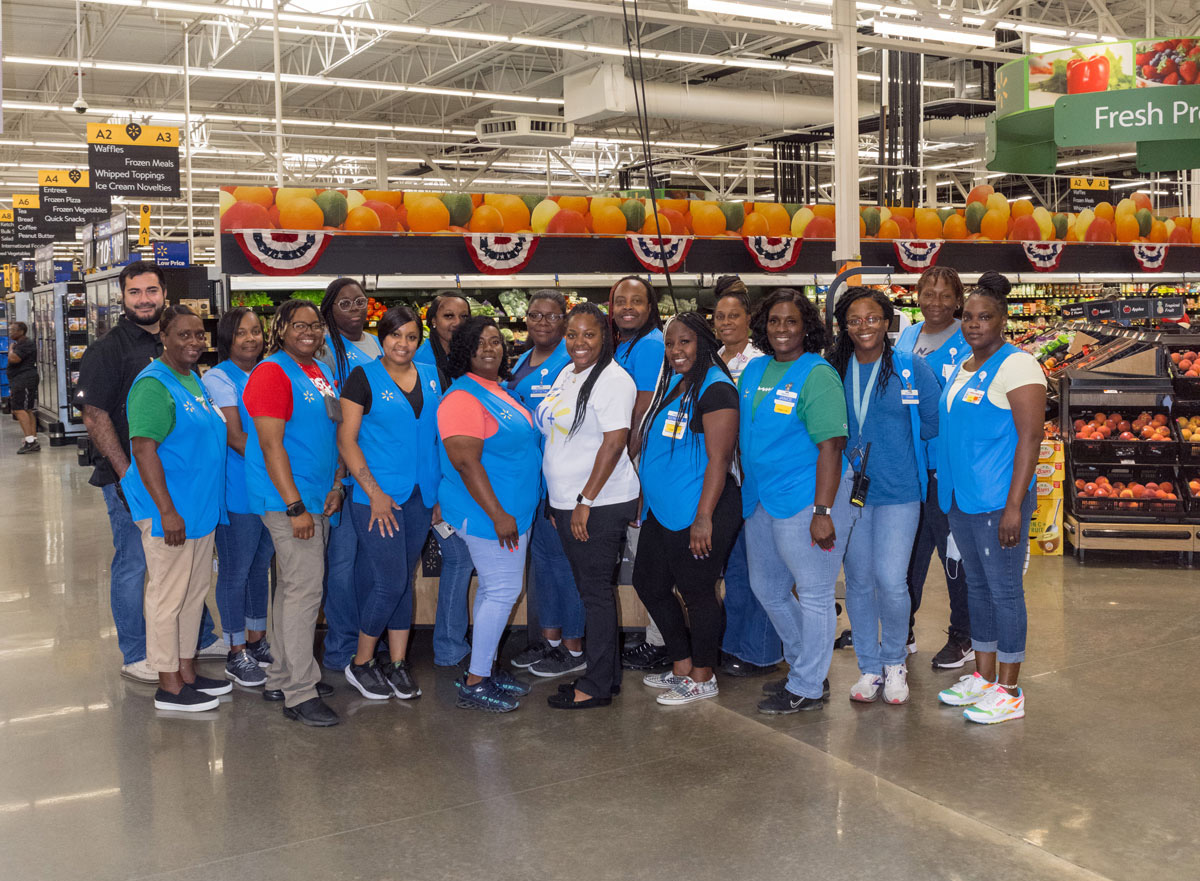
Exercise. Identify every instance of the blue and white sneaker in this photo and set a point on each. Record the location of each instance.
(485, 696)
(510, 684)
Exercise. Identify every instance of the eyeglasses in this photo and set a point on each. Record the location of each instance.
(304, 327)
(869, 321)
(548, 317)
(347, 305)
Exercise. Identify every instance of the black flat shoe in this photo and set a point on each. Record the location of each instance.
(313, 712)
(570, 686)
(276, 694)
(737, 667)
(565, 700)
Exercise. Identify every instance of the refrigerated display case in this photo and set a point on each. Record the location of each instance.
(60, 327)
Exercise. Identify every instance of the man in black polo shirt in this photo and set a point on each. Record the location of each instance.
(109, 368)
(23, 384)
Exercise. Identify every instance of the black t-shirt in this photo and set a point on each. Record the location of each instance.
(718, 396)
(358, 390)
(109, 368)
(24, 373)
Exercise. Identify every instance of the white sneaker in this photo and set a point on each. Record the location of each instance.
(895, 683)
(867, 688)
(997, 706)
(665, 680)
(689, 690)
(968, 690)
(139, 671)
(219, 649)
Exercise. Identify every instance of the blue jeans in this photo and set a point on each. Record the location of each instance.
(932, 533)
(501, 575)
(558, 602)
(781, 553)
(749, 635)
(389, 601)
(450, 644)
(347, 580)
(995, 580)
(244, 552)
(127, 580)
(877, 555)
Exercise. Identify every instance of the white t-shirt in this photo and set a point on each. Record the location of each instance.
(739, 361)
(1017, 370)
(568, 462)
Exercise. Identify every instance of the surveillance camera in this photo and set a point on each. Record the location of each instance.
(80, 106)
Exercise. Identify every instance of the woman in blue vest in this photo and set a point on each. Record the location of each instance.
(552, 599)
(938, 339)
(751, 646)
(891, 397)
(490, 460)
(292, 484)
(177, 445)
(448, 310)
(388, 442)
(991, 418)
(347, 345)
(795, 496)
(244, 548)
(693, 506)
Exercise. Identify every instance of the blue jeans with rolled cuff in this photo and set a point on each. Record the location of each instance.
(933, 533)
(244, 552)
(558, 602)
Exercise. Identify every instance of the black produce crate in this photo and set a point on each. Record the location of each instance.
(1189, 450)
(1141, 452)
(1144, 510)
(1186, 387)
(1186, 476)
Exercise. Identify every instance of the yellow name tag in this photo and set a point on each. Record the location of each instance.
(674, 426)
(973, 395)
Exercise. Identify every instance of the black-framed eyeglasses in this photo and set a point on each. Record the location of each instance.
(356, 303)
(548, 317)
(304, 326)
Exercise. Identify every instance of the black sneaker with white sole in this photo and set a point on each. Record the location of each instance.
(531, 654)
(214, 687)
(956, 652)
(189, 700)
(779, 686)
(29, 447)
(398, 675)
(645, 656)
(785, 702)
(261, 652)
(558, 662)
(368, 681)
(244, 670)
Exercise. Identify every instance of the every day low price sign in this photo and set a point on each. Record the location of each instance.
(134, 160)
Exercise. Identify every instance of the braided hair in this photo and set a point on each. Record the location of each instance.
(283, 317)
(731, 286)
(170, 314)
(815, 337)
(654, 320)
(440, 355)
(332, 294)
(688, 389)
(996, 286)
(606, 356)
(934, 274)
(465, 343)
(842, 350)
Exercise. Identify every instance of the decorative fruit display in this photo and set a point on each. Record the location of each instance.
(1187, 363)
(1113, 426)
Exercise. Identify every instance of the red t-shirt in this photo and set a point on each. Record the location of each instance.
(269, 391)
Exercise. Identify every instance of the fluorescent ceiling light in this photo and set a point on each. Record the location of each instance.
(790, 13)
(891, 27)
(1089, 160)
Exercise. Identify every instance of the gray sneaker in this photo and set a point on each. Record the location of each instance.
(558, 662)
(368, 680)
(244, 670)
(531, 654)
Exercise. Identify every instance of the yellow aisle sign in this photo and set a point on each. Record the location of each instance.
(144, 226)
(6, 215)
(76, 177)
(31, 201)
(132, 135)
(1089, 183)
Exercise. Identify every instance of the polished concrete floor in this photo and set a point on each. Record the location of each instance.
(1100, 781)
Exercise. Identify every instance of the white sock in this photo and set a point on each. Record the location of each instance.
(554, 643)
(31, 440)
(575, 654)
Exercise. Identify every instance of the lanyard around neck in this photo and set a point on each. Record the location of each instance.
(862, 403)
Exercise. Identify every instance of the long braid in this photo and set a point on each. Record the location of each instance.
(606, 356)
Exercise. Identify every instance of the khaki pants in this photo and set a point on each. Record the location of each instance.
(300, 566)
(179, 579)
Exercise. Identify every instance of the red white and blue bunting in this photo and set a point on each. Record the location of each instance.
(773, 253)
(650, 251)
(1043, 256)
(915, 255)
(1150, 257)
(282, 253)
(501, 253)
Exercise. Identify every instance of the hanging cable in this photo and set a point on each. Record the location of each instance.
(633, 37)
(79, 57)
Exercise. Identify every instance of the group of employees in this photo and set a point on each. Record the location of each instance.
(760, 451)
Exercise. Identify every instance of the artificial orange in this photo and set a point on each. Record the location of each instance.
(259, 195)
(902, 211)
(608, 220)
(779, 222)
(1158, 231)
(1139, 199)
(388, 221)
(678, 225)
(707, 219)
(395, 198)
(301, 212)
(1021, 207)
(955, 227)
(514, 211)
(574, 203)
(862, 227)
(486, 219)
(1104, 210)
(889, 229)
(599, 202)
(426, 215)
(994, 225)
(362, 219)
(980, 193)
(927, 224)
(1127, 228)
(680, 205)
(823, 210)
(663, 228)
(756, 225)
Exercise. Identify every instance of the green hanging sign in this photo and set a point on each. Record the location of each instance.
(1167, 114)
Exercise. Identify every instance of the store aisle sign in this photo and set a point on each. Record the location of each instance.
(134, 160)
(68, 200)
(1170, 113)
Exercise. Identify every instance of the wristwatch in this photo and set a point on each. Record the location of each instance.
(295, 509)
(580, 500)
(822, 509)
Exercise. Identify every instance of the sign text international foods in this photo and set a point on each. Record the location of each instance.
(134, 160)
(68, 200)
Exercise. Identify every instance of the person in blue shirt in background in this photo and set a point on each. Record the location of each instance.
(552, 599)
(939, 340)
(891, 402)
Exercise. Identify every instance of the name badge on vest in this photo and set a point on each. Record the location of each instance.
(675, 425)
(909, 395)
(539, 391)
(947, 369)
(785, 400)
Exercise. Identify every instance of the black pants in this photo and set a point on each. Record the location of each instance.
(665, 563)
(593, 563)
(932, 533)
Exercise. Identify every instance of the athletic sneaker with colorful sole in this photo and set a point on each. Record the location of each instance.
(997, 706)
(968, 690)
(867, 688)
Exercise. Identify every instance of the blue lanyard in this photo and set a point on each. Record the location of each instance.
(862, 403)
